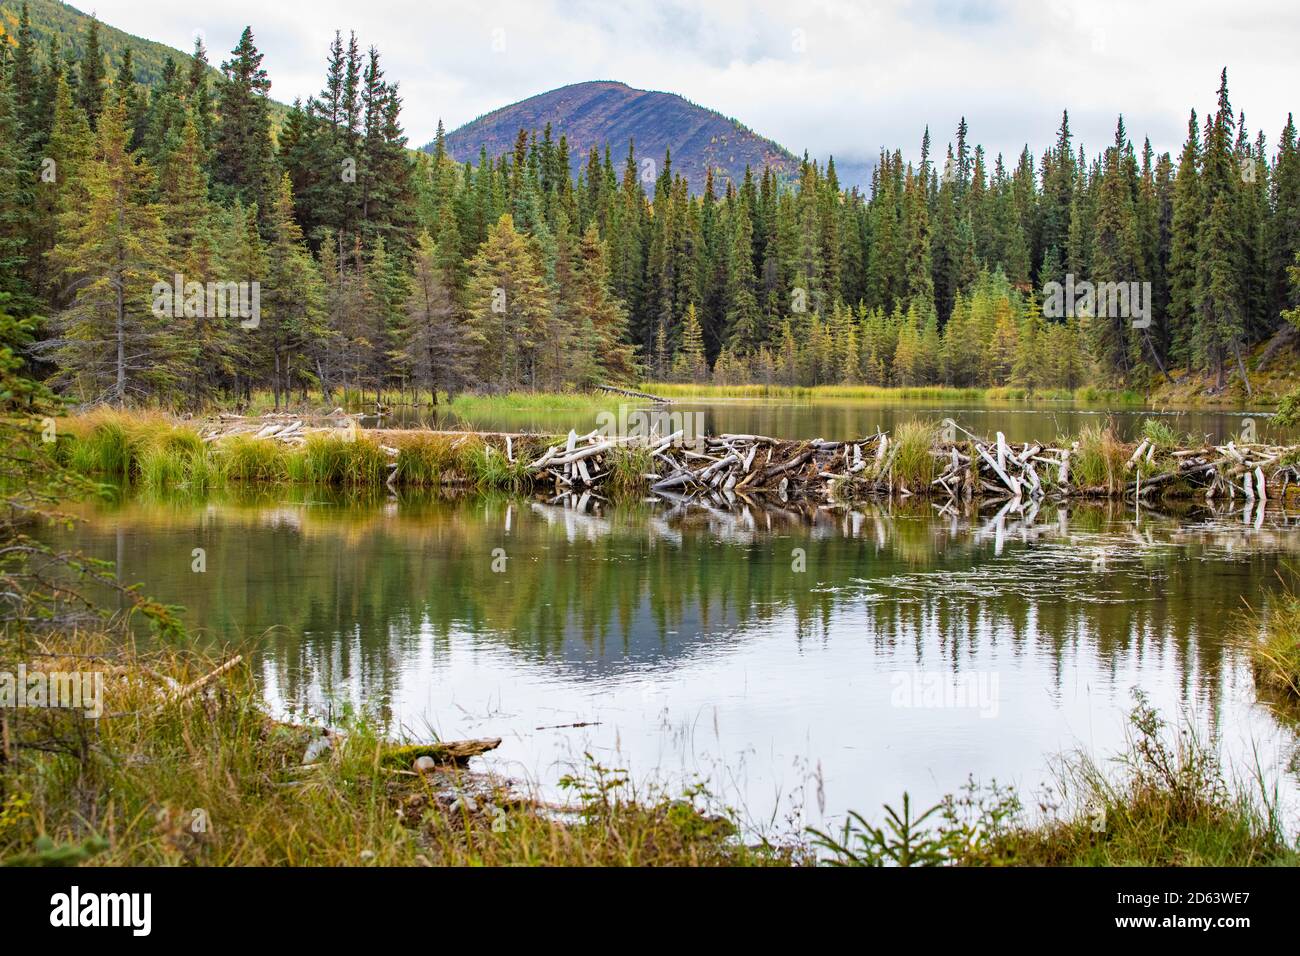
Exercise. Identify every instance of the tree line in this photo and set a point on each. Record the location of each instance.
(377, 267)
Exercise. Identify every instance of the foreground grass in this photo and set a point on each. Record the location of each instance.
(211, 779)
(1167, 802)
(175, 776)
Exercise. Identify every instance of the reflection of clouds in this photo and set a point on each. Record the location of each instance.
(683, 634)
(1042, 576)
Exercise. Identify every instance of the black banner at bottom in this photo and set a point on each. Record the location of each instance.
(133, 906)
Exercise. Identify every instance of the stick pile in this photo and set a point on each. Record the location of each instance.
(967, 469)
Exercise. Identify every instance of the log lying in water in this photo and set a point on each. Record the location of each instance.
(633, 393)
(445, 753)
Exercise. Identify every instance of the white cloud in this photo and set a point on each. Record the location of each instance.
(857, 77)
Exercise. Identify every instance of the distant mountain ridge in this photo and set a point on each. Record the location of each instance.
(148, 57)
(604, 112)
(52, 18)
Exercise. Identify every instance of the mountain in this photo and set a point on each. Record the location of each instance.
(603, 112)
(51, 18)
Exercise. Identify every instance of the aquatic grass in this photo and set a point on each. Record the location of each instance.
(1091, 394)
(488, 467)
(176, 458)
(1008, 393)
(1099, 460)
(914, 464)
(1160, 433)
(1164, 440)
(866, 392)
(426, 460)
(885, 393)
(244, 458)
(470, 406)
(339, 460)
(628, 466)
(105, 443)
(323, 460)
(161, 469)
(367, 464)
(1271, 637)
(103, 454)
(134, 446)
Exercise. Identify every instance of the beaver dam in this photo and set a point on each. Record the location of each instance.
(935, 460)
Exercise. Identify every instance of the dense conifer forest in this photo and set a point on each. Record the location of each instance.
(182, 249)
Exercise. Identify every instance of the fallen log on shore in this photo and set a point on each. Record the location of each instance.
(633, 393)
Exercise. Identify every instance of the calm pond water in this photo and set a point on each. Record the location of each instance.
(838, 419)
(801, 663)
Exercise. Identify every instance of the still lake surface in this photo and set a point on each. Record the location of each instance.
(800, 662)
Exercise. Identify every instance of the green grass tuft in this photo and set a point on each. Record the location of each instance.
(488, 467)
(336, 460)
(1273, 642)
(914, 463)
(628, 467)
(425, 461)
(1099, 460)
(247, 459)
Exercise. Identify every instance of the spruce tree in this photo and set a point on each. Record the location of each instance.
(15, 206)
(438, 350)
(293, 299)
(114, 341)
(601, 315)
(508, 307)
(689, 365)
(92, 77)
(243, 160)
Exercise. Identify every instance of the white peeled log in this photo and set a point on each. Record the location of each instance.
(573, 457)
(1007, 480)
(546, 458)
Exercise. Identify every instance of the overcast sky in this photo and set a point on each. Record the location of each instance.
(832, 77)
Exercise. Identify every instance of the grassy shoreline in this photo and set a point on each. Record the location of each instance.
(462, 404)
(1272, 638)
(210, 778)
(678, 391)
(468, 406)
